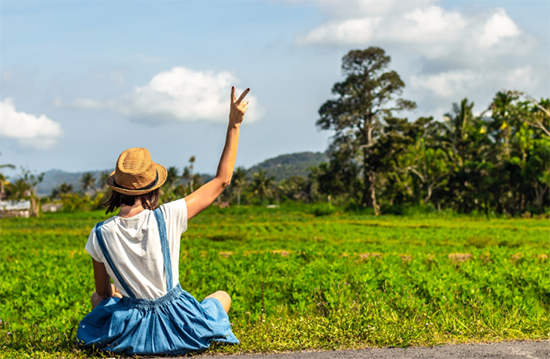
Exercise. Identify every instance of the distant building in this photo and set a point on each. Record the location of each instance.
(21, 208)
(52, 207)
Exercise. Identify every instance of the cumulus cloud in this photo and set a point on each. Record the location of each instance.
(447, 84)
(38, 132)
(497, 28)
(460, 83)
(478, 86)
(179, 94)
(427, 30)
(357, 8)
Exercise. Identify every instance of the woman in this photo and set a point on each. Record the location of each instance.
(146, 311)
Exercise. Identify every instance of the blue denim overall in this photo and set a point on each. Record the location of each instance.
(175, 323)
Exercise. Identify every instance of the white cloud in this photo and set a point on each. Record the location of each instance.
(459, 83)
(348, 32)
(180, 94)
(31, 131)
(447, 84)
(436, 92)
(358, 8)
(427, 30)
(497, 28)
(525, 77)
(419, 26)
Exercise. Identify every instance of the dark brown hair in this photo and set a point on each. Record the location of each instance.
(115, 200)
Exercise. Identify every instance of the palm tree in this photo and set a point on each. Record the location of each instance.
(191, 166)
(172, 176)
(3, 178)
(19, 189)
(55, 193)
(87, 181)
(168, 188)
(261, 184)
(186, 176)
(65, 188)
(239, 182)
(457, 124)
(102, 180)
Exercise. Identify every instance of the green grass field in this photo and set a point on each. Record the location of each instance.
(300, 281)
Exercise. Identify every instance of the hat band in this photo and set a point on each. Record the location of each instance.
(149, 186)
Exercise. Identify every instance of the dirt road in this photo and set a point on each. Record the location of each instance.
(506, 350)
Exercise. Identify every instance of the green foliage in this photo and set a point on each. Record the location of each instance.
(339, 280)
(470, 163)
(261, 185)
(322, 209)
(362, 117)
(74, 202)
(87, 182)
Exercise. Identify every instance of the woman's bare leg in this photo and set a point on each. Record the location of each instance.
(96, 299)
(223, 297)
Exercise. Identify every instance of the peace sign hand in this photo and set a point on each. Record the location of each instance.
(238, 107)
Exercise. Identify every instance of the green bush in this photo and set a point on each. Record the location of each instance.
(73, 202)
(322, 209)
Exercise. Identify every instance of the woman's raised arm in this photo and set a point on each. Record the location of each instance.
(205, 195)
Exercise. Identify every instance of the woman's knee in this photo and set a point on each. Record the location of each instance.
(226, 296)
(223, 297)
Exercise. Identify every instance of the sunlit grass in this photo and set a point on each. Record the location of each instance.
(330, 280)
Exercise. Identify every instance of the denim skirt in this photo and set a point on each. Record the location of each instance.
(175, 323)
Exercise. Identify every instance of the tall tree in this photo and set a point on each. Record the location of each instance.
(171, 176)
(87, 182)
(192, 177)
(239, 182)
(102, 179)
(3, 179)
(367, 98)
(168, 189)
(261, 184)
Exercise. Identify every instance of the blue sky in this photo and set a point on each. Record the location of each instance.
(80, 81)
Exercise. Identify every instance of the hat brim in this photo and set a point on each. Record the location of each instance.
(162, 172)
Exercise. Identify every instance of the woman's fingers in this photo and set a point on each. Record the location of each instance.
(243, 95)
(233, 98)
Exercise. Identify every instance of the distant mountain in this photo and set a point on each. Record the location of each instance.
(294, 164)
(280, 167)
(54, 178)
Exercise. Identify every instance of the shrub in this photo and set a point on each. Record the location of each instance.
(322, 209)
(73, 202)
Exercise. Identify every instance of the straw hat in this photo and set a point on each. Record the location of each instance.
(136, 173)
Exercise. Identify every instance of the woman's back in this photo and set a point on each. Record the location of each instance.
(134, 246)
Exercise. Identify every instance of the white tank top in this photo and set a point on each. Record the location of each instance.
(134, 246)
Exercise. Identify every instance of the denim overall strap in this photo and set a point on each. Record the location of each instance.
(165, 249)
(101, 242)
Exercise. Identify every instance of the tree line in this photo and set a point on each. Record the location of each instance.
(496, 161)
